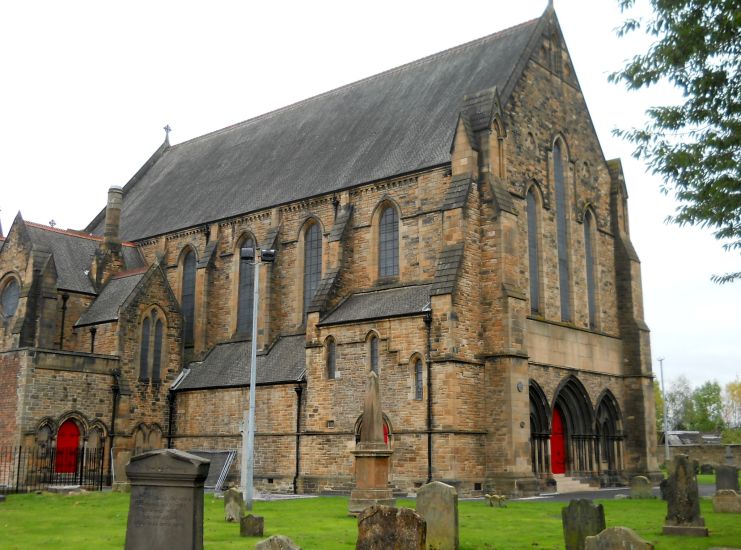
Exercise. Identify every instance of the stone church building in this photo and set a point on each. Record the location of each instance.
(451, 224)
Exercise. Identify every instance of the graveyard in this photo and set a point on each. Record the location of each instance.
(98, 520)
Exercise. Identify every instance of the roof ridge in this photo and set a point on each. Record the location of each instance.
(414, 63)
(130, 272)
(74, 233)
(400, 287)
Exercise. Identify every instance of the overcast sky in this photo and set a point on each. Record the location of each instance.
(88, 86)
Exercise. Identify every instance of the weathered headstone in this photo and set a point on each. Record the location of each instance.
(640, 487)
(580, 519)
(389, 528)
(617, 538)
(706, 469)
(662, 488)
(683, 501)
(371, 455)
(251, 526)
(726, 477)
(233, 505)
(727, 501)
(437, 503)
(277, 542)
(166, 507)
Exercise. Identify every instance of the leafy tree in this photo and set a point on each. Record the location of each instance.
(707, 408)
(659, 402)
(694, 146)
(679, 404)
(732, 404)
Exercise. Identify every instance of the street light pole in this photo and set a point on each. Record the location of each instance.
(666, 422)
(248, 443)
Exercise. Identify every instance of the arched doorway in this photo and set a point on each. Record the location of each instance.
(558, 443)
(540, 431)
(68, 443)
(610, 436)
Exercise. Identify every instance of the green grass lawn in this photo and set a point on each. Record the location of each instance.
(98, 520)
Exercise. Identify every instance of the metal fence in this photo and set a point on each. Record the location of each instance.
(27, 469)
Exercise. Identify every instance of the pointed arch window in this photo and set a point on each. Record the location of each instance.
(151, 347)
(245, 290)
(9, 296)
(388, 243)
(331, 358)
(589, 260)
(418, 387)
(373, 352)
(533, 251)
(562, 232)
(312, 263)
(188, 295)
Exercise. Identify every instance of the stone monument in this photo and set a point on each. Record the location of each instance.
(640, 487)
(166, 507)
(233, 505)
(389, 528)
(726, 478)
(277, 542)
(620, 538)
(580, 519)
(683, 501)
(727, 501)
(437, 503)
(371, 455)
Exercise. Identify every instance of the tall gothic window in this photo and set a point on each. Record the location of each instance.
(418, 390)
(188, 295)
(561, 232)
(373, 348)
(388, 243)
(144, 350)
(245, 292)
(312, 263)
(331, 358)
(9, 298)
(533, 250)
(151, 347)
(589, 260)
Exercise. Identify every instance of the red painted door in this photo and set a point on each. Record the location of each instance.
(68, 441)
(558, 444)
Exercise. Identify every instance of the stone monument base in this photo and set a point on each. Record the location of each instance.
(371, 478)
(686, 530)
(360, 499)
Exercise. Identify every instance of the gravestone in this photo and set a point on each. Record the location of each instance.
(437, 503)
(233, 505)
(277, 542)
(726, 477)
(389, 528)
(580, 519)
(683, 501)
(662, 488)
(166, 507)
(640, 487)
(727, 501)
(251, 526)
(617, 538)
(706, 469)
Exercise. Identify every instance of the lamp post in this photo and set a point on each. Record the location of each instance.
(666, 423)
(248, 443)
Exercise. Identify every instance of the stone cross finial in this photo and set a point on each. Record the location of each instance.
(371, 430)
(167, 130)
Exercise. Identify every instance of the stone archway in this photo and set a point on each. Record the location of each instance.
(540, 431)
(574, 407)
(68, 445)
(610, 438)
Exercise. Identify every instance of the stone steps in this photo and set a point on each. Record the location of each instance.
(570, 484)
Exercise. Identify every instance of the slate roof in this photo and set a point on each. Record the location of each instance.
(73, 254)
(228, 365)
(380, 304)
(106, 305)
(446, 273)
(396, 122)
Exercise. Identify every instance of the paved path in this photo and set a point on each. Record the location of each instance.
(608, 493)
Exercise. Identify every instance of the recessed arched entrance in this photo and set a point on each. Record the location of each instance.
(558, 443)
(68, 443)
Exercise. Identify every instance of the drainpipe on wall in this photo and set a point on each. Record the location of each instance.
(428, 324)
(65, 297)
(170, 416)
(299, 390)
(115, 389)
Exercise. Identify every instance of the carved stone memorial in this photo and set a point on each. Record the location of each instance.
(726, 478)
(437, 503)
(233, 505)
(277, 542)
(166, 507)
(640, 487)
(580, 519)
(727, 501)
(389, 528)
(371, 455)
(617, 538)
(251, 526)
(683, 501)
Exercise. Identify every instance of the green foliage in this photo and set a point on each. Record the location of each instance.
(695, 146)
(731, 436)
(659, 402)
(707, 408)
(732, 404)
(679, 404)
(98, 520)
